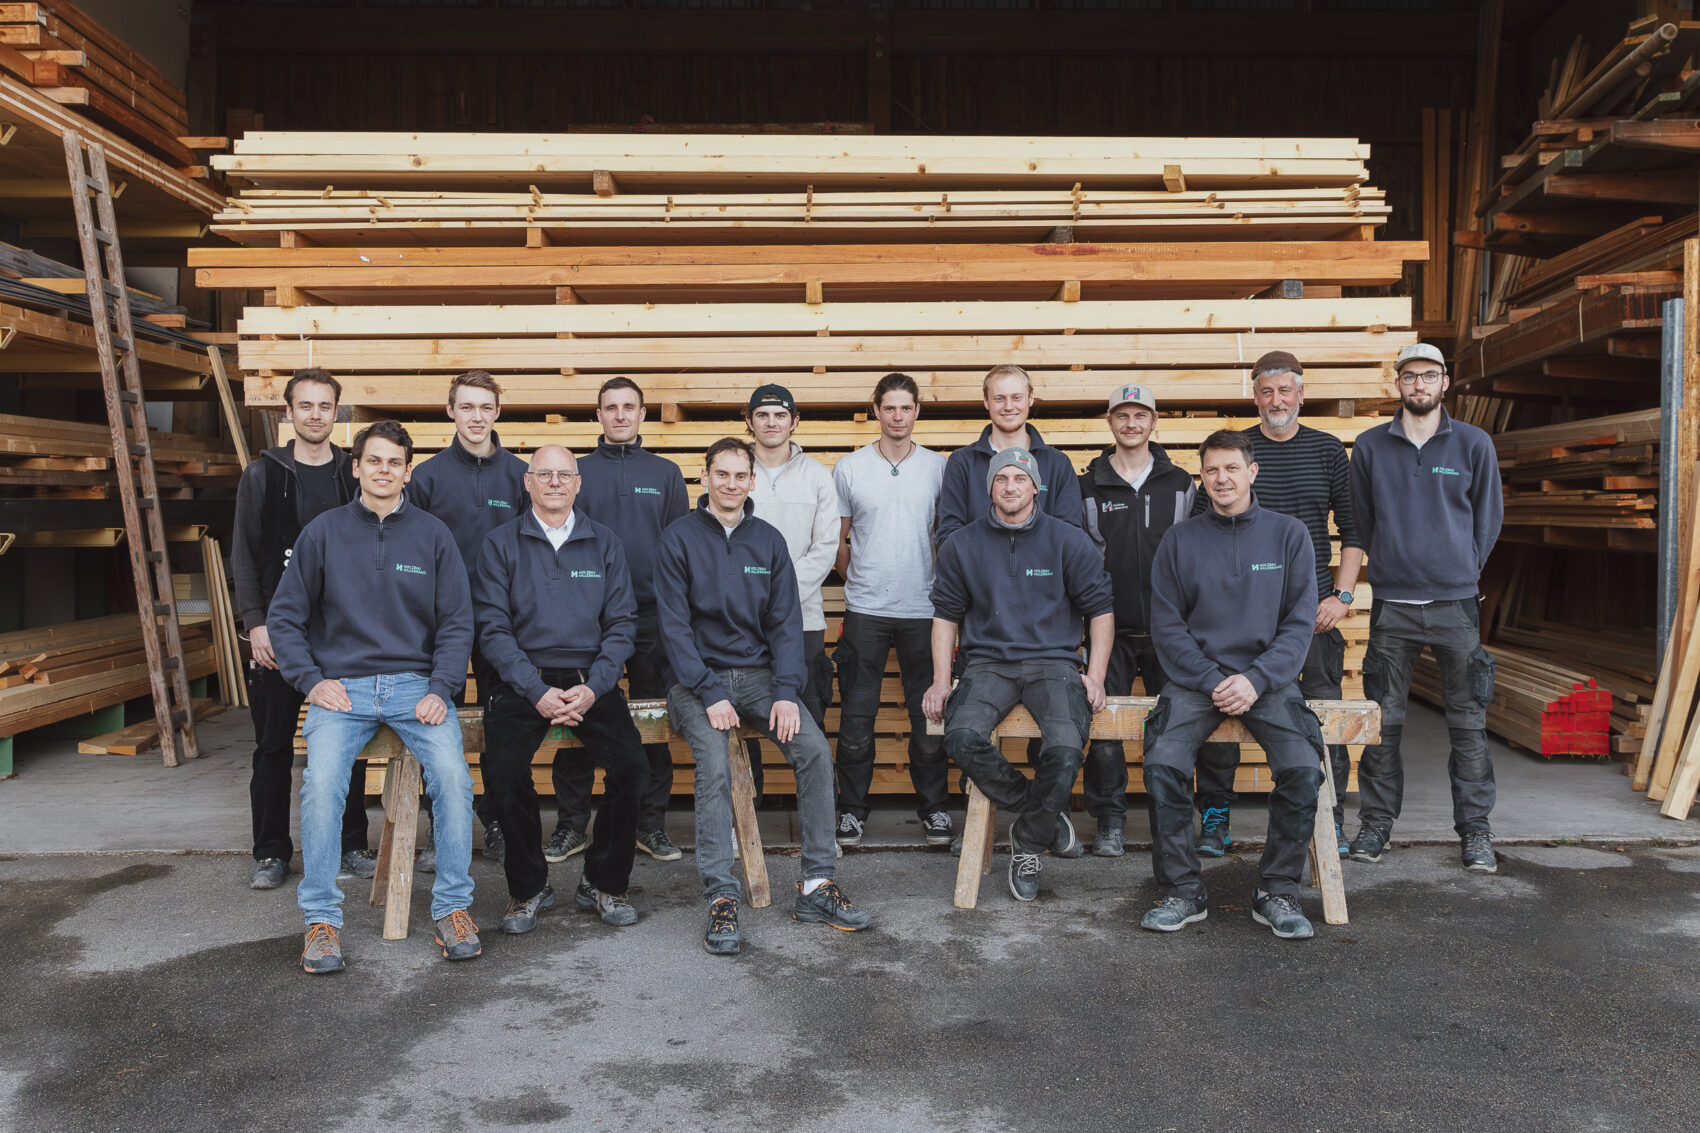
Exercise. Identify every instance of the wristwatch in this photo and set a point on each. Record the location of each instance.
(1344, 597)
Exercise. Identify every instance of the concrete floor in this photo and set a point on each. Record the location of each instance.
(63, 802)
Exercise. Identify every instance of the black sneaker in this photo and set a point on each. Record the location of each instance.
(657, 845)
(321, 952)
(521, 916)
(495, 846)
(613, 908)
(458, 937)
(1213, 836)
(564, 843)
(268, 873)
(723, 937)
(1476, 850)
(361, 863)
(1173, 914)
(1111, 841)
(849, 830)
(1282, 914)
(828, 905)
(1066, 844)
(1372, 841)
(939, 828)
(1024, 870)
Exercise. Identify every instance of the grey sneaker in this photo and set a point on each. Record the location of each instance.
(564, 843)
(828, 905)
(956, 845)
(521, 916)
(322, 950)
(613, 908)
(657, 845)
(849, 831)
(1476, 850)
(426, 862)
(268, 873)
(1282, 914)
(940, 832)
(361, 863)
(1173, 914)
(1025, 869)
(723, 937)
(1066, 844)
(495, 846)
(1111, 840)
(458, 936)
(1373, 840)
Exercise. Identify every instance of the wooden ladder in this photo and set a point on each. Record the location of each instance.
(132, 451)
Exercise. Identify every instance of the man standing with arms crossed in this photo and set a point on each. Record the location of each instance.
(1131, 496)
(888, 502)
(1008, 393)
(1301, 472)
(557, 619)
(635, 494)
(1233, 604)
(794, 492)
(731, 624)
(1018, 582)
(279, 494)
(474, 486)
(373, 622)
(1429, 505)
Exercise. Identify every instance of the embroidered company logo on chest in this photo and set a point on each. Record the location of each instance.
(756, 570)
(1040, 572)
(499, 503)
(1442, 470)
(409, 568)
(1108, 506)
(1265, 566)
(646, 491)
(584, 574)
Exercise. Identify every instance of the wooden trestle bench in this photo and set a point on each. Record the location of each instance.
(1123, 718)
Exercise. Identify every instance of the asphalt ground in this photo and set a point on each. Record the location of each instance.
(155, 992)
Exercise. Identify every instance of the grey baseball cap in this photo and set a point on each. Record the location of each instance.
(1136, 395)
(1421, 351)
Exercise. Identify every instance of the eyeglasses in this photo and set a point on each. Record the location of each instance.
(1431, 378)
(550, 476)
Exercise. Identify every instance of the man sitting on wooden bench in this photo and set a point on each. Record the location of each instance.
(1018, 581)
(557, 620)
(1233, 607)
(375, 597)
(733, 629)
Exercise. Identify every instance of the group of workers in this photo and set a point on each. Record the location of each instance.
(368, 586)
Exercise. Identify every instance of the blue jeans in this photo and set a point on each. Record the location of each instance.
(751, 693)
(333, 741)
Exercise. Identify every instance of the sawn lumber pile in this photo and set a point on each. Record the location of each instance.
(1539, 705)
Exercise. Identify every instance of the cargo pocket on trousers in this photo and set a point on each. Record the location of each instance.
(1334, 657)
(1082, 710)
(1156, 721)
(1375, 676)
(1481, 670)
(1308, 724)
(824, 672)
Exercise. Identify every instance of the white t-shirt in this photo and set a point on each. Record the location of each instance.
(891, 530)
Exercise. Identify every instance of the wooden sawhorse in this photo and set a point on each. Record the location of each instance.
(1123, 718)
(392, 885)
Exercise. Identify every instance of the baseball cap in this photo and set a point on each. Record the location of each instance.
(1421, 351)
(772, 395)
(1018, 458)
(1137, 395)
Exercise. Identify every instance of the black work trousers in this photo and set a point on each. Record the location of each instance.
(647, 678)
(1324, 668)
(275, 706)
(1106, 760)
(1291, 735)
(864, 642)
(513, 731)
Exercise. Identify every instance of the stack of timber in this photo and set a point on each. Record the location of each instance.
(703, 266)
(1591, 482)
(53, 673)
(1539, 705)
(72, 460)
(69, 59)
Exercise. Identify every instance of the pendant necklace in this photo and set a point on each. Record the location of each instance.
(887, 459)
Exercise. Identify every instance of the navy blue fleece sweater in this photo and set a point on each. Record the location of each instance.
(636, 494)
(539, 608)
(1427, 517)
(963, 497)
(1234, 594)
(728, 603)
(1018, 593)
(474, 495)
(365, 597)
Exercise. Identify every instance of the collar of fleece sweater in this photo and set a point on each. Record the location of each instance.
(461, 454)
(365, 512)
(1025, 525)
(1232, 522)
